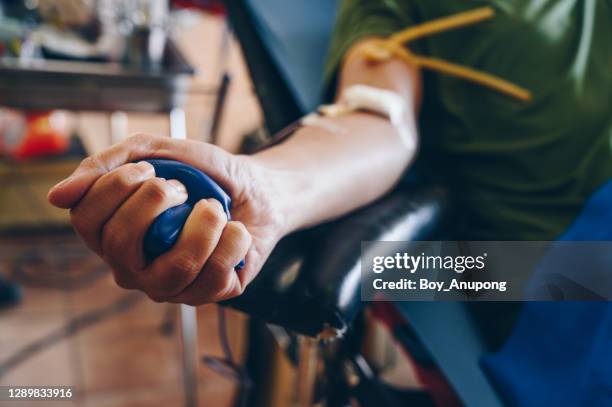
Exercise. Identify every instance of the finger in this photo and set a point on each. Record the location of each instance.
(105, 197)
(123, 234)
(211, 159)
(125, 279)
(173, 271)
(218, 280)
(68, 192)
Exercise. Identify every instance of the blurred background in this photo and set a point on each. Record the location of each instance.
(76, 76)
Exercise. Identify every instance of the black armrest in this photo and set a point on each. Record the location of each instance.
(311, 282)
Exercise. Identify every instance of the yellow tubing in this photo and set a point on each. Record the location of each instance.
(443, 24)
(393, 46)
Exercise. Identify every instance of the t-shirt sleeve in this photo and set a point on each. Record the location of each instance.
(359, 19)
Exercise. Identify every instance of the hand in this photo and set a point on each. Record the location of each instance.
(113, 199)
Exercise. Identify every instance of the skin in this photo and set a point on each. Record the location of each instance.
(308, 179)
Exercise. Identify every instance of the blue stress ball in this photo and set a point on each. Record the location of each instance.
(166, 228)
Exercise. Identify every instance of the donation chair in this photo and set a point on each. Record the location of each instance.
(310, 286)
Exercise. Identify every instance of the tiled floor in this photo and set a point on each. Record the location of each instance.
(123, 359)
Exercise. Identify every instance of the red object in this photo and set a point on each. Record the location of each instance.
(430, 377)
(40, 138)
(210, 6)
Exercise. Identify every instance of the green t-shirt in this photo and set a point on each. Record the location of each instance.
(517, 170)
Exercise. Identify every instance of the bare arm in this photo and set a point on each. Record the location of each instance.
(313, 176)
(330, 174)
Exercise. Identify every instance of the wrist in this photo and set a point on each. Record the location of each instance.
(277, 190)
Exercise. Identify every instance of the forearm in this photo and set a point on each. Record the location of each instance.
(321, 174)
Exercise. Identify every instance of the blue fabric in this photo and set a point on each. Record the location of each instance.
(560, 353)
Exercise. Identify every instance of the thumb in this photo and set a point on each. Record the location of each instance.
(210, 159)
(69, 191)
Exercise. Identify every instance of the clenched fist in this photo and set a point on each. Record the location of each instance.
(113, 199)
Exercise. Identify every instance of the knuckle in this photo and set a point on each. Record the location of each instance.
(238, 233)
(144, 142)
(157, 190)
(113, 238)
(218, 265)
(124, 178)
(138, 139)
(212, 216)
(88, 161)
(94, 162)
(185, 263)
(216, 205)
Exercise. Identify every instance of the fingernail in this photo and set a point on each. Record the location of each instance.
(146, 168)
(179, 187)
